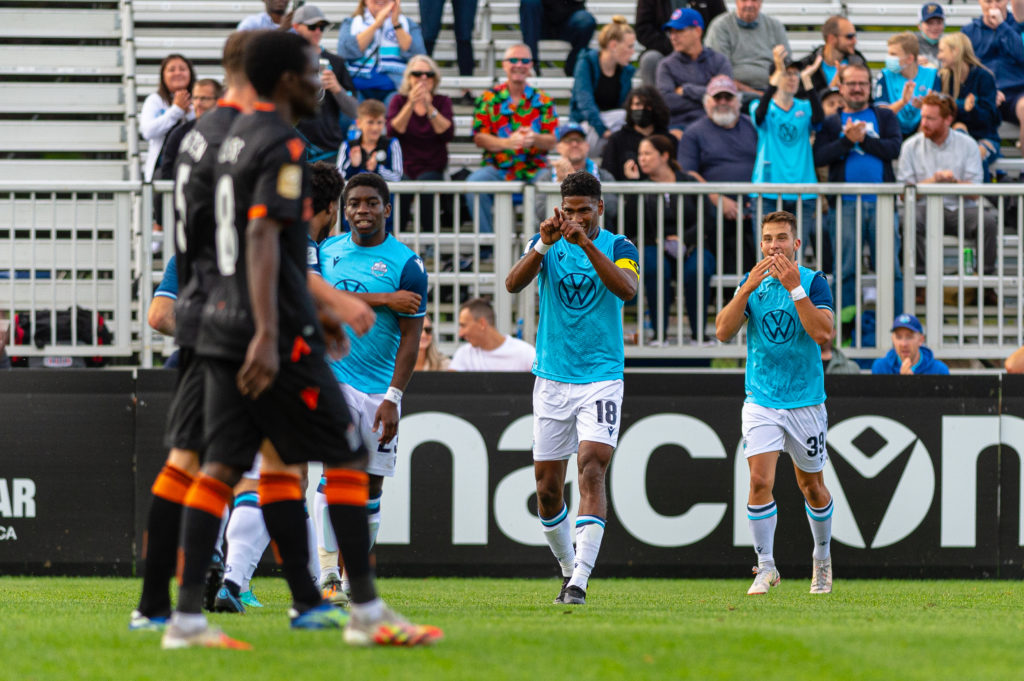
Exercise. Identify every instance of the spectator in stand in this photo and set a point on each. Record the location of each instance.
(325, 131)
(933, 23)
(909, 355)
(941, 154)
(964, 78)
(429, 358)
(684, 74)
(465, 17)
(833, 361)
(646, 115)
(840, 49)
(859, 145)
(573, 150)
(378, 41)
(722, 147)
(831, 102)
(487, 348)
(601, 83)
(271, 19)
(205, 94)
(168, 107)
(784, 125)
(657, 161)
(5, 338)
(903, 82)
(370, 150)
(746, 37)
(651, 15)
(566, 20)
(996, 39)
(514, 124)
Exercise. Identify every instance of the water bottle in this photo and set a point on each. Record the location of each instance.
(968, 261)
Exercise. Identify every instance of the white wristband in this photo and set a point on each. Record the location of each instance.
(797, 294)
(541, 247)
(394, 395)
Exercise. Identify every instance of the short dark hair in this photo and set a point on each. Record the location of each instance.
(831, 26)
(480, 307)
(863, 67)
(664, 145)
(270, 55)
(218, 89)
(650, 97)
(368, 180)
(326, 184)
(581, 183)
(780, 216)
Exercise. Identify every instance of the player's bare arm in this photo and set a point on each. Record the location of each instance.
(526, 270)
(263, 260)
(405, 362)
(347, 307)
(817, 322)
(620, 281)
(730, 320)
(403, 302)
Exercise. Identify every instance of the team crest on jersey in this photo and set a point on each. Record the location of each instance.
(351, 285)
(194, 145)
(576, 290)
(787, 133)
(379, 268)
(289, 181)
(230, 150)
(778, 326)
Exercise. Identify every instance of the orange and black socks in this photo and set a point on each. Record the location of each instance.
(347, 492)
(284, 513)
(201, 523)
(160, 546)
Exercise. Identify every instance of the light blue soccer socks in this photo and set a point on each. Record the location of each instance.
(558, 533)
(589, 532)
(762, 521)
(820, 520)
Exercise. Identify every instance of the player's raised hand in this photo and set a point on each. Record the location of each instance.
(551, 229)
(260, 367)
(574, 233)
(759, 273)
(387, 417)
(786, 270)
(405, 302)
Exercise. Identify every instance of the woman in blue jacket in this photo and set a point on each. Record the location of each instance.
(602, 81)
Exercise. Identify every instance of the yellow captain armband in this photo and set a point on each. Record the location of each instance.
(628, 264)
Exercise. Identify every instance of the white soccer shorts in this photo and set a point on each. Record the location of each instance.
(800, 432)
(565, 414)
(254, 472)
(363, 407)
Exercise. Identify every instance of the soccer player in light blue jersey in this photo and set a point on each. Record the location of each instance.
(585, 274)
(790, 313)
(388, 276)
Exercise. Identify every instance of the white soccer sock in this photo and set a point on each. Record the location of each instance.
(373, 517)
(589, 532)
(820, 520)
(247, 540)
(762, 521)
(219, 546)
(326, 542)
(558, 534)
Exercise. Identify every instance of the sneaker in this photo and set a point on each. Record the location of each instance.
(821, 576)
(766, 578)
(140, 622)
(561, 593)
(227, 602)
(323, 616)
(573, 595)
(390, 629)
(210, 637)
(333, 592)
(249, 600)
(214, 577)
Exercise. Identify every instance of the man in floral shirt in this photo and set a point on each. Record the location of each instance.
(515, 126)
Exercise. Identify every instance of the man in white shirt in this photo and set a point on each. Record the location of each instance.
(487, 349)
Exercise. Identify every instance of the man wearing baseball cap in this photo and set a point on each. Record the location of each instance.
(909, 355)
(574, 152)
(933, 23)
(682, 77)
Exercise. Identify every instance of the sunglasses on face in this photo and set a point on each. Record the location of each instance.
(429, 330)
(422, 74)
(850, 36)
(519, 60)
(318, 27)
(723, 97)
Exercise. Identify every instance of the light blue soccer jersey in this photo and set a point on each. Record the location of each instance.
(580, 334)
(783, 362)
(168, 287)
(784, 147)
(385, 268)
(889, 89)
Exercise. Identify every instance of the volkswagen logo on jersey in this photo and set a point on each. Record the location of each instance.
(379, 268)
(787, 133)
(778, 326)
(576, 290)
(351, 285)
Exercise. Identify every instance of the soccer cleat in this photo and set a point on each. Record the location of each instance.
(140, 622)
(333, 592)
(214, 577)
(227, 602)
(390, 629)
(821, 576)
(766, 578)
(322, 616)
(210, 637)
(561, 593)
(573, 595)
(249, 600)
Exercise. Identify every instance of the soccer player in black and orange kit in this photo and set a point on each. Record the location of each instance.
(266, 375)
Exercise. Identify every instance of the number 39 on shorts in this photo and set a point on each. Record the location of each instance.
(816, 447)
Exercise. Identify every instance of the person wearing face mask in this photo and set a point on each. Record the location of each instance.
(933, 23)
(646, 114)
(904, 82)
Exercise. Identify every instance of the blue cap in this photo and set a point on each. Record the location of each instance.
(930, 10)
(684, 18)
(569, 128)
(907, 321)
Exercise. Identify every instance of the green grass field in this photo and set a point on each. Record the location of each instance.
(56, 628)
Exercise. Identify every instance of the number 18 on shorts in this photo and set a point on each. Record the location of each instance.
(565, 414)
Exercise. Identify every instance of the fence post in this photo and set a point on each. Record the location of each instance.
(504, 233)
(885, 262)
(934, 267)
(526, 305)
(145, 229)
